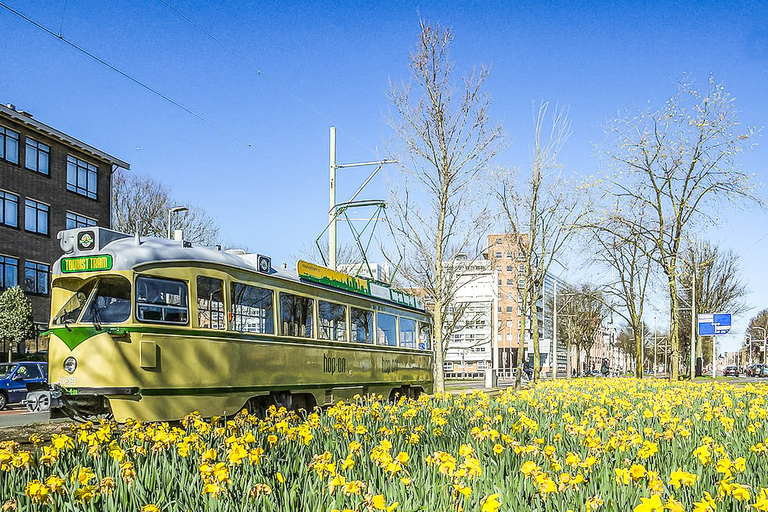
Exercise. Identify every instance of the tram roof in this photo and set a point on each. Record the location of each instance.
(128, 251)
(87, 249)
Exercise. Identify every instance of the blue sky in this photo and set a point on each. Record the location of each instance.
(300, 67)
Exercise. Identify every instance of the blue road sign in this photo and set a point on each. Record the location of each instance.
(714, 323)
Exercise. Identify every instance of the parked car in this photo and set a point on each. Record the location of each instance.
(763, 371)
(731, 370)
(14, 378)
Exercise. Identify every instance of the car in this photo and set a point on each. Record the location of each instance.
(763, 371)
(14, 378)
(731, 370)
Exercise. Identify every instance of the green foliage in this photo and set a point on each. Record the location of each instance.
(16, 321)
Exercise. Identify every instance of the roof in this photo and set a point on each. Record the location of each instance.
(27, 120)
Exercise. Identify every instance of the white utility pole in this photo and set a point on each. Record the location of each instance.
(495, 313)
(554, 331)
(694, 338)
(332, 210)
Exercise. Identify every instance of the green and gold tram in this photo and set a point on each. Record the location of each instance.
(153, 329)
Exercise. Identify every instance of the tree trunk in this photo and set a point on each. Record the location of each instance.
(439, 346)
(568, 363)
(638, 350)
(674, 320)
(535, 336)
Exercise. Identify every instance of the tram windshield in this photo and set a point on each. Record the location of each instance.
(70, 312)
(106, 300)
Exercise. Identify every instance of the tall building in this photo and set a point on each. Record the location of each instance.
(469, 353)
(49, 181)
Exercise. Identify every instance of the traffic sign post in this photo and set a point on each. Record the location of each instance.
(712, 324)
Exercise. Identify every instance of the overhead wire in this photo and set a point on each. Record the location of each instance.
(132, 79)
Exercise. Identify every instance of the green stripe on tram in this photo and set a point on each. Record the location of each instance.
(74, 336)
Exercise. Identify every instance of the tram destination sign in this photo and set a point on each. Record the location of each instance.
(90, 263)
(328, 277)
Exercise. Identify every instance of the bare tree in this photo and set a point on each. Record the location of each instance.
(139, 202)
(447, 143)
(719, 289)
(675, 165)
(629, 258)
(543, 213)
(584, 312)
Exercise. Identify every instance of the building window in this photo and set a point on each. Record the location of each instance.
(9, 272)
(509, 309)
(9, 209)
(36, 277)
(35, 217)
(498, 241)
(509, 268)
(499, 282)
(498, 254)
(482, 365)
(448, 366)
(37, 156)
(509, 255)
(9, 145)
(509, 281)
(510, 296)
(81, 177)
(75, 220)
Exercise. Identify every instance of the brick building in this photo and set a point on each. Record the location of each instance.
(49, 181)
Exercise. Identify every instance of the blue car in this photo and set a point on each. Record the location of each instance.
(14, 378)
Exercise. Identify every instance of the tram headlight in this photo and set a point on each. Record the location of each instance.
(70, 364)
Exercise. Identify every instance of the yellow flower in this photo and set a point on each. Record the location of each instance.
(237, 453)
(150, 508)
(491, 503)
(637, 472)
(703, 453)
(38, 491)
(673, 505)
(707, 504)
(378, 502)
(740, 492)
(463, 490)
(85, 493)
(622, 476)
(529, 468)
(680, 477)
(465, 450)
(652, 504)
(280, 477)
(762, 502)
(336, 481)
(272, 439)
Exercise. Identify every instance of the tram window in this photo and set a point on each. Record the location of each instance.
(332, 321)
(161, 300)
(252, 309)
(210, 303)
(70, 311)
(361, 322)
(296, 315)
(407, 332)
(386, 330)
(111, 303)
(425, 336)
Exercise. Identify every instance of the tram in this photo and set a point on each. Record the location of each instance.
(153, 329)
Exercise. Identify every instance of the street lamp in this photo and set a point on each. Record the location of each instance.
(175, 209)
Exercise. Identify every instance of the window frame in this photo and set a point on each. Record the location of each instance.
(268, 323)
(34, 146)
(79, 221)
(310, 317)
(164, 306)
(38, 207)
(400, 333)
(334, 330)
(4, 201)
(4, 138)
(353, 331)
(74, 167)
(38, 269)
(4, 266)
(220, 313)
